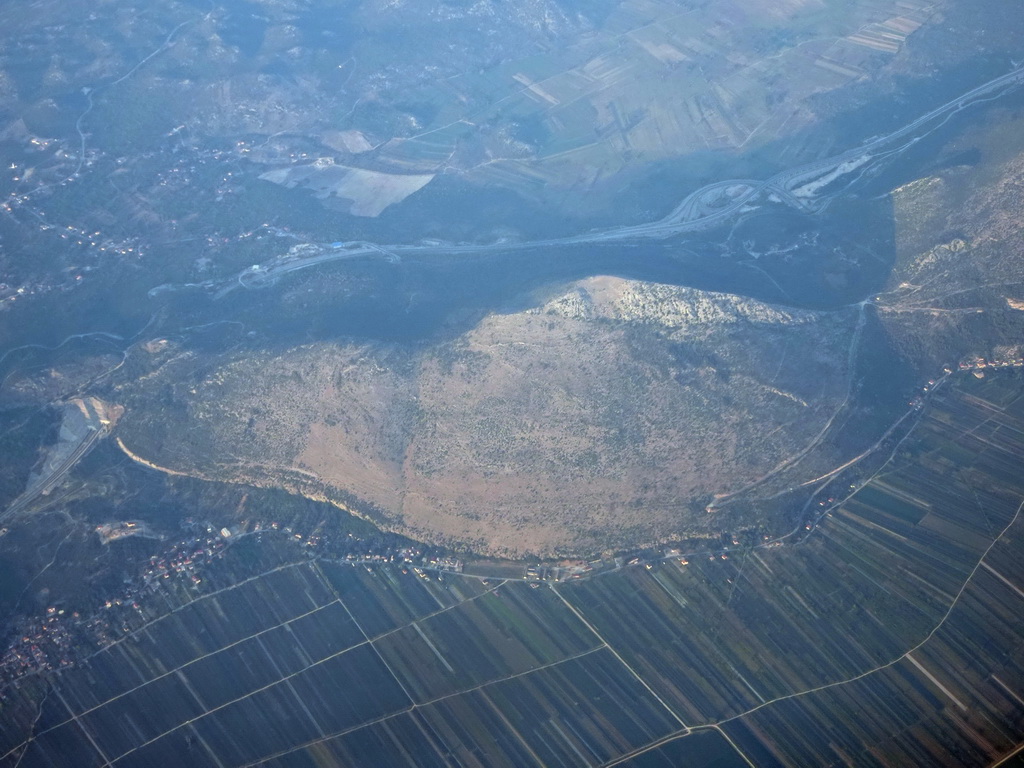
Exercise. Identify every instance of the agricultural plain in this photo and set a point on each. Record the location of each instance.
(889, 633)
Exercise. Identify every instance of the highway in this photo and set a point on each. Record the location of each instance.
(700, 210)
(95, 426)
(50, 482)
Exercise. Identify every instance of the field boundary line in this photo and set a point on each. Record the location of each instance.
(82, 728)
(249, 695)
(414, 706)
(198, 599)
(285, 678)
(901, 657)
(622, 661)
(1009, 756)
(735, 746)
(376, 650)
(675, 736)
(73, 716)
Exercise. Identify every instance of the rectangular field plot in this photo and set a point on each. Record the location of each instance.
(467, 729)
(126, 722)
(580, 712)
(319, 634)
(195, 630)
(349, 690)
(511, 630)
(384, 599)
(336, 695)
(235, 672)
(253, 606)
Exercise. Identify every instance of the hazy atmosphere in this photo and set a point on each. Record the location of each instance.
(468, 384)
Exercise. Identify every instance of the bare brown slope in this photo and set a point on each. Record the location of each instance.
(605, 417)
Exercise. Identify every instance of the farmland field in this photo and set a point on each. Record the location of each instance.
(890, 633)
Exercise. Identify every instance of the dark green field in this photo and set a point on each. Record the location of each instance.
(890, 634)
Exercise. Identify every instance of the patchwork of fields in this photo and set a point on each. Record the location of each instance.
(653, 80)
(891, 634)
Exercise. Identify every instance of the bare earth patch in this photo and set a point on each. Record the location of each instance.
(369, 192)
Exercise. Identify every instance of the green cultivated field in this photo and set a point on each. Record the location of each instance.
(890, 634)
